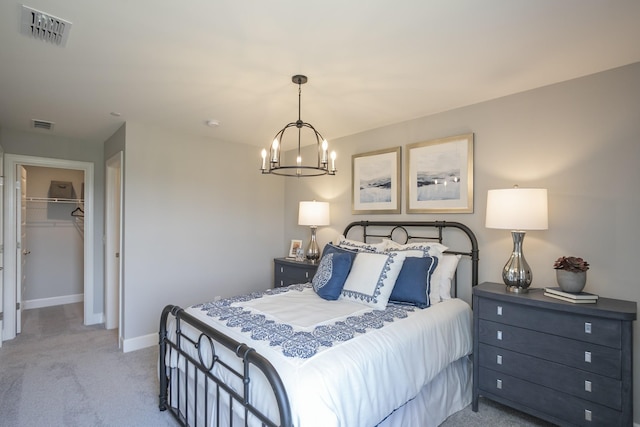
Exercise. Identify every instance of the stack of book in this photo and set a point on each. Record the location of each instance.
(579, 298)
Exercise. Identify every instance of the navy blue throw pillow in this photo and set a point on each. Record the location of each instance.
(414, 281)
(332, 272)
(331, 248)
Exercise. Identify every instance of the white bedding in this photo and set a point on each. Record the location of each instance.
(360, 381)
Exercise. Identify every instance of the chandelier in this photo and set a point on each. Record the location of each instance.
(274, 164)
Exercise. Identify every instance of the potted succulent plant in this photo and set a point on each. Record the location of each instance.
(571, 273)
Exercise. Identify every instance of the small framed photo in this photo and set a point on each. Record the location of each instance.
(375, 186)
(293, 249)
(440, 175)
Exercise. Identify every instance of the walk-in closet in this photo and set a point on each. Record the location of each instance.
(52, 236)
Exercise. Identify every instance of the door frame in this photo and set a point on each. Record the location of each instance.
(113, 244)
(11, 161)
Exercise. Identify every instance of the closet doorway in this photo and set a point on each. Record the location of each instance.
(46, 214)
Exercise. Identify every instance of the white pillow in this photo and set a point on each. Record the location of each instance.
(433, 249)
(355, 245)
(372, 278)
(444, 273)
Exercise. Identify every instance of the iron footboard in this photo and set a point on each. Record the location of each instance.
(211, 376)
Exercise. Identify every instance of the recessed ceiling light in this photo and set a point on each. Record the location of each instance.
(212, 123)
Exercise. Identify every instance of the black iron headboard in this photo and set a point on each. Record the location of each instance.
(405, 231)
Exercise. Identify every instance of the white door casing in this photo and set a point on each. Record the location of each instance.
(21, 245)
(1, 243)
(11, 230)
(113, 246)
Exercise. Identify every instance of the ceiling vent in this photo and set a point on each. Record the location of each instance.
(42, 124)
(44, 26)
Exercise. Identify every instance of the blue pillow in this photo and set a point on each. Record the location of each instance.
(414, 281)
(331, 274)
(331, 248)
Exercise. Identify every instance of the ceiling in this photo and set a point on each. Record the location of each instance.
(176, 65)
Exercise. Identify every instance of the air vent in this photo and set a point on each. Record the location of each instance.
(44, 26)
(41, 124)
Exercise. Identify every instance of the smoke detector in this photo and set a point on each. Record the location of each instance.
(44, 26)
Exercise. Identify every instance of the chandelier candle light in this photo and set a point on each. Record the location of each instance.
(313, 214)
(272, 159)
(517, 209)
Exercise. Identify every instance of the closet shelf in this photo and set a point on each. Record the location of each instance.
(53, 200)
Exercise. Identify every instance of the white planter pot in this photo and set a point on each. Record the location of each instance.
(570, 281)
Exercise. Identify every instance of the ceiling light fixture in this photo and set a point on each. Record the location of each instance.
(274, 163)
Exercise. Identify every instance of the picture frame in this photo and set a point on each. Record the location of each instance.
(295, 244)
(440, 175)
(375, 182)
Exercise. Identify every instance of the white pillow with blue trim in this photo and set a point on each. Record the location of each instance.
(372, 278)
(355, 245)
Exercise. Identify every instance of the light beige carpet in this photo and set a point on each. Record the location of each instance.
(61, 373)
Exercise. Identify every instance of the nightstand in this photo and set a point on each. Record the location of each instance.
(289, 271)
(567, 363)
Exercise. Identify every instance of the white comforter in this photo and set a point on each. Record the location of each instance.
(360, 381)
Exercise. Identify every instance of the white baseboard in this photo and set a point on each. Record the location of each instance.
(138, 343)
(49, 302)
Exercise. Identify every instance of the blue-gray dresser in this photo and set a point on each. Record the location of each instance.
(567, 363)
(288, 272)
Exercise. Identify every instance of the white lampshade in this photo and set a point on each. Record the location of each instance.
(517, 209)
(313, 213)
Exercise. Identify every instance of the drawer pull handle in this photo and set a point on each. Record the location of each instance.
(587, 386)
(499, 311)
(499, 384)
(281, 269)
(587, 415)
(499, 335)
(587, 356)
(499, 359)
(587, 327)
(306, 274)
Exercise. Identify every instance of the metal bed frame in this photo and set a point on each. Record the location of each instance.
(202, 367)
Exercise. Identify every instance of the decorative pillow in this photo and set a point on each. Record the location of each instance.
(433, 249)
(331, 248)
(331, 273)
(444, 274)
(372, 278)
(360, 246)
(414, 281)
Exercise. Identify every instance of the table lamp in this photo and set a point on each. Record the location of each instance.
(518, 210)
(313, 214)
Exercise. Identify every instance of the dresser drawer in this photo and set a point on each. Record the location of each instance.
(578, 327)
(585, 385)
(288, 272)
(578, 354)
(570, 409)
(300, 274)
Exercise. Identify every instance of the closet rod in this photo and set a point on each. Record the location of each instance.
(53, 200)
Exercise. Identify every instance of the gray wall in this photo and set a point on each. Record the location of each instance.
(579, 139)
(199, 221)
(42, 145)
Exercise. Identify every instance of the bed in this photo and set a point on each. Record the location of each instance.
(302, 356)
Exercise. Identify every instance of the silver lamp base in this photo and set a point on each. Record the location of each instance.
(313, 251)
(516, 273)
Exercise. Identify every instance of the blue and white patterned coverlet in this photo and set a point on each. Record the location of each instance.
(298, 343)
